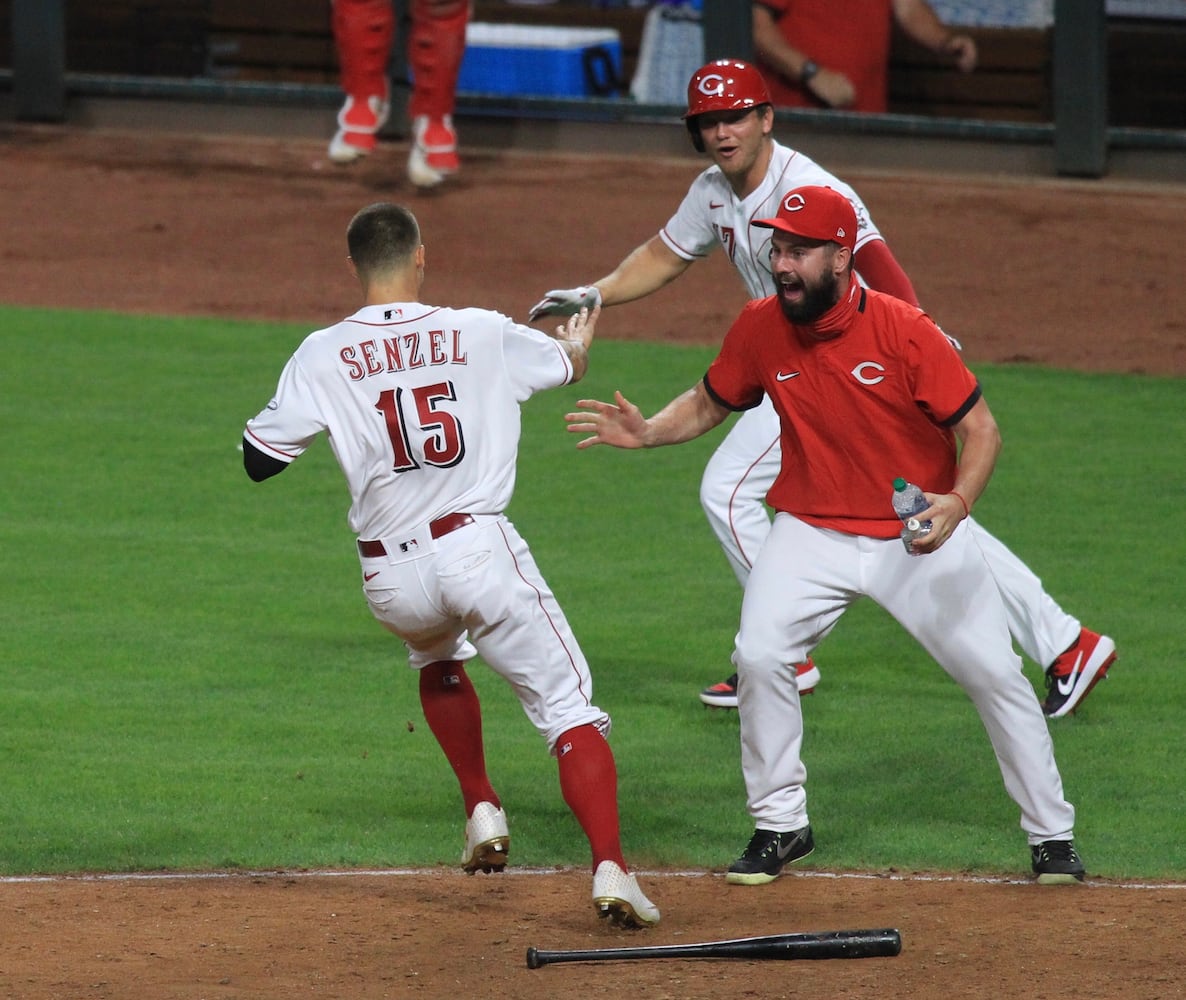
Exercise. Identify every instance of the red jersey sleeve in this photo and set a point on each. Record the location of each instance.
(944, 387)
(880, 270)
(732, 378)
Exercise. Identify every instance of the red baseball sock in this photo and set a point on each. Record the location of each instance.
(436, 45)
(589, 784)
(454, 714)
(363, 32)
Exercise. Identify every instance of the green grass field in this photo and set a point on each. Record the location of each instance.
(191, 679)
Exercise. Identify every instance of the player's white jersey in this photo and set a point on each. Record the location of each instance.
(399, 388)
(712, 215)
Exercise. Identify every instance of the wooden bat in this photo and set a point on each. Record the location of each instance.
(815, 944)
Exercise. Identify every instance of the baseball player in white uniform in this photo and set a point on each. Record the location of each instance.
(866, 388)
(729, 115)
(420, 404)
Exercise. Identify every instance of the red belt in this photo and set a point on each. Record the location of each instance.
(438, 529)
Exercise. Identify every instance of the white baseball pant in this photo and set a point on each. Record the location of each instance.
(945, 599)
(479, 587)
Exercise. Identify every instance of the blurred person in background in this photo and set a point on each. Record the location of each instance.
(363, 33)
(835, 53)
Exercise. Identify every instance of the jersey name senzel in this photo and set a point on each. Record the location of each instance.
(403, 352)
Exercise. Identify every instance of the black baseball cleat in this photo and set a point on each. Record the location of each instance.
(766, 855)
(1056, 862)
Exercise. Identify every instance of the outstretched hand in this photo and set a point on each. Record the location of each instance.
(619, 423)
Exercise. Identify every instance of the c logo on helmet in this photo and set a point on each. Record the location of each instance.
(794, 202)
(712, 85)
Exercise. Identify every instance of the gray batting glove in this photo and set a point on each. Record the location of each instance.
(566, 302)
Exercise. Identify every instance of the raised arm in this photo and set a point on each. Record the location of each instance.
(576, 336)
(645, 269)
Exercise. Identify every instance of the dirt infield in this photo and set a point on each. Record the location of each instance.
(1069, 274)
(1054, 272)
(445, 934)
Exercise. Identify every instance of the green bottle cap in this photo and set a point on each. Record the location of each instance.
(899, 484)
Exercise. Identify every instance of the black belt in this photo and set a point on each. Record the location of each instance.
(438, 529)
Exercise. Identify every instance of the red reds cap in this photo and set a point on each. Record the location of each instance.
(819, 213)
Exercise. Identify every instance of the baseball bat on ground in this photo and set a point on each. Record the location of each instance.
(815, 944)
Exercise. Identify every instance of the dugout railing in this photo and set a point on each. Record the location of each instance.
(1072, 88)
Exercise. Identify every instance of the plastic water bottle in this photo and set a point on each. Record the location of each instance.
(909, 502)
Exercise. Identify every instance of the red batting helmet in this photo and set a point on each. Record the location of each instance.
(723, 85)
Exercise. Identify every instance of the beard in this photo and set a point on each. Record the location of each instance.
(817, 300)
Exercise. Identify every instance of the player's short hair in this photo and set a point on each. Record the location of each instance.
(381, 237)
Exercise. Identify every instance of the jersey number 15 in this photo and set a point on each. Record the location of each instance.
(444, 443)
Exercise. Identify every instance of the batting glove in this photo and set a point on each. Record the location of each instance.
(566, 301)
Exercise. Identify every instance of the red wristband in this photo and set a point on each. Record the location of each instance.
(967, 513)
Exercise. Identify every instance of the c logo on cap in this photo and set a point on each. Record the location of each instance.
(712, 85)
(794, 202)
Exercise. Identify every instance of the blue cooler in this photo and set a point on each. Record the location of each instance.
(521, 60)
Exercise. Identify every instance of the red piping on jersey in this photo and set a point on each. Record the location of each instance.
(567, 363)
(540, 599)
(394, 322)
(755, 260)
(270, 447)
(733, 496)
